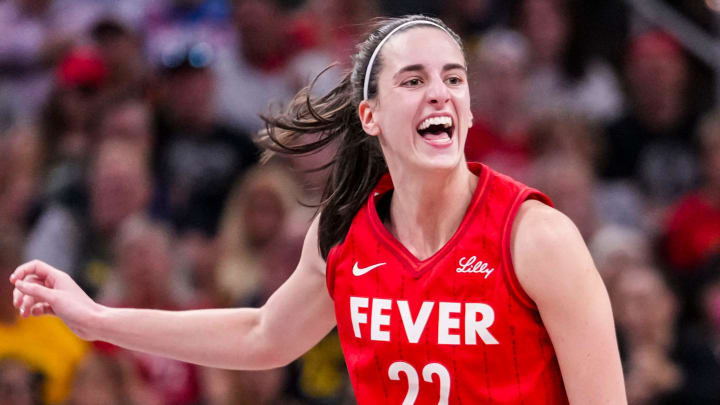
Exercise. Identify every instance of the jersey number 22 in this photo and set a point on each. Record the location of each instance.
(414, 381)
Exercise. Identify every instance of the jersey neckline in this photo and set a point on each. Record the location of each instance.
(413, 265)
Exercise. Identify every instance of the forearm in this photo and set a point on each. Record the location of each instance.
(223, 338)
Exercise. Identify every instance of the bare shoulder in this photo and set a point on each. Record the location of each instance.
(538, 224)
(310, 260)
(549, 254)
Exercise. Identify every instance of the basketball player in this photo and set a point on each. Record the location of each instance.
(449, 283)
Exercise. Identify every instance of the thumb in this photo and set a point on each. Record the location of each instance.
(37, 291)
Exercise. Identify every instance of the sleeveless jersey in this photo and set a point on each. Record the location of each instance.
(456, 328)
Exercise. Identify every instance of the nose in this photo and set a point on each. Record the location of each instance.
(437, 92)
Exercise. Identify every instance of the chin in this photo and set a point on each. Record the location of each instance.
(445, 162)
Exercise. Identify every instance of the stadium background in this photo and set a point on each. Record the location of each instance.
(126, 159)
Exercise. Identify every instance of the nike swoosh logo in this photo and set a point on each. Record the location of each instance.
(359, 271)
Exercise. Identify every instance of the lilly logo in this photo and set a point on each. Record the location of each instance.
(473, 265)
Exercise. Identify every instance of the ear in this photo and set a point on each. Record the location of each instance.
(367, 117)
(471, 120)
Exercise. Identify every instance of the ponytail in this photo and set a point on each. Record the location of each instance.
(356, 167)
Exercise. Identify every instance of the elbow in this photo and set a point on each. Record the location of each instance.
(263, 357)
(262, 348)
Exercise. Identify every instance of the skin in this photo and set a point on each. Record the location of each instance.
(550, 257)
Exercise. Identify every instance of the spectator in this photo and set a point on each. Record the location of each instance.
(335, 25)
(500, 133)
(78, 229)
(697, 348)
(656, 131)
(169, 25)
(121, 49)
(34, 36)
(144, 276)
(616, 248)
(106, 379)
(43, 344)
(692, 232)
(259, 387)
(66, 140)
(18, 384)
(569, 181)
(471, 18)
(646, 320)
(19, 182)
(125, 117)
(564, 75)
(272, 58)
(198, 157)
(261, 236)
(564, 148)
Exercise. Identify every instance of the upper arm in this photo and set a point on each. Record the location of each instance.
(300, 313)
(556, 270)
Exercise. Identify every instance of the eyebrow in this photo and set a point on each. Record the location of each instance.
(418, 67)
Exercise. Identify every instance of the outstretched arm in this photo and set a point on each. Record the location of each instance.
(555, 268)
(294, 319)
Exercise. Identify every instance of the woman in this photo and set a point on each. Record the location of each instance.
(446, 278)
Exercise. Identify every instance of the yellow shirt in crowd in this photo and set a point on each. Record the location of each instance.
(48, 347)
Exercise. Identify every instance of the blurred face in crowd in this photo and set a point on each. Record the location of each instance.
(189, 96)
(122, 53)
(420, 91)
(545, 24)
(646, 307)
(120, 185)
(264, 215)
(262, 28)
(568, 180)
(505, 82)
(96, 382)
(657, 74)
(16, 387)
(76, 103)
(144, 258)
(501, 63)
(130, 121)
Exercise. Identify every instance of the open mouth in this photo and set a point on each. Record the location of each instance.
(436, 129)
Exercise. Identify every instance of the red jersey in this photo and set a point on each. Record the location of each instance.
(456, 328)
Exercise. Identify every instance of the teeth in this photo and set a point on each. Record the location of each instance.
(444, 121)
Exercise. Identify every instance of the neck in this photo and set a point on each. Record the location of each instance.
(427, 208)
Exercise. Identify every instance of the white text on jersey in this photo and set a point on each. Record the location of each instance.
(449, 315)
(469, 266)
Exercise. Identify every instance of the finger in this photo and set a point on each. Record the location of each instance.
(35, 267)
(27, 303)
(40, 293)
(41, 308)
(17, 298)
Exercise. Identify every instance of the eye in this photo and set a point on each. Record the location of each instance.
(454, 80)
(414, 82)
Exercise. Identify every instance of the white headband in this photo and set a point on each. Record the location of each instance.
(377, 49)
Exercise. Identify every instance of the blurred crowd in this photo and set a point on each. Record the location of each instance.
(127, 159)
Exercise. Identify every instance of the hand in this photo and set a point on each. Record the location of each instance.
(41, 289)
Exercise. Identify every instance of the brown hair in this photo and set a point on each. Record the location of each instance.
(358, 163)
